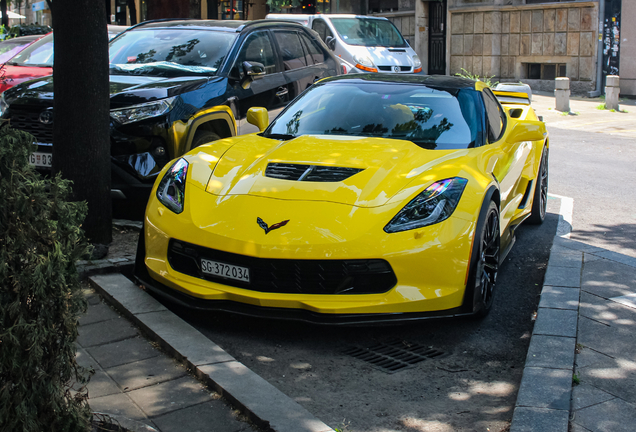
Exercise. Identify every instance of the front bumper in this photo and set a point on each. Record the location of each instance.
(430, 264)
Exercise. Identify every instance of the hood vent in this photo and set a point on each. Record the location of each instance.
(310, 173)
(397, 50)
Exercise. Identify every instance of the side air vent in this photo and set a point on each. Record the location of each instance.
(312, 173)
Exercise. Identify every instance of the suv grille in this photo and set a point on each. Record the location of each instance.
(312, 173)
(288, 276)
(28, 120)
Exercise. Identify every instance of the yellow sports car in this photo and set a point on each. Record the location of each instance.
(369, 198)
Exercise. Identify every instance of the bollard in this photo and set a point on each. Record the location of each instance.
(562, 94)
(612, 89)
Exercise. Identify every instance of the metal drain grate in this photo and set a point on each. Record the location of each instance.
(394, 356)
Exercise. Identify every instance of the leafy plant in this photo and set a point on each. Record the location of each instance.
(40, 296)
(601, 106)
(575, 379)
(487, 80)
(279, 5)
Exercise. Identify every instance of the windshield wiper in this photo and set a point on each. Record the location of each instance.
(277, 136)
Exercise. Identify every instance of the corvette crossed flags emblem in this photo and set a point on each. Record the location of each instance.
(267, 229)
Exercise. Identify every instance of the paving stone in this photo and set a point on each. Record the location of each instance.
(201, 417)
(588, 357)
(610, 340)
(627, 300)
(104, 332)
(563, 276)
(615, 415)
(170, 396)
(96, 313)
(585, 395)
(84, 359)
(147, 372)
(614, 256)
(588, 257)
(551, 352)
(606, 311)
(122, 352)
(118, 404)
(576, 245)
(181, 337)
(566, 259)
(241, 385)
(615, 376)
(126, 293)
(608, 279)
(559, 298)
(101, 384)
(545, 388)
(539, 420)
(556, 322)
(577, 428)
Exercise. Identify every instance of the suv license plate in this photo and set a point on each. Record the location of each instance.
(228, 271)
(41, 159)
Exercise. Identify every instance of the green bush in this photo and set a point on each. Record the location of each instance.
(40, 296)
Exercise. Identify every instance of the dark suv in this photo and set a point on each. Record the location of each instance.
(177, 84)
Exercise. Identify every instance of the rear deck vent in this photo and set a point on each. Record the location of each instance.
(395, 355)
(313, 173)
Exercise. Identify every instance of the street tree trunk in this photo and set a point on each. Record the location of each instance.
(3, 9)
(81, 140)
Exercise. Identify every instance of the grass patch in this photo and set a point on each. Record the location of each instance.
(575, 379)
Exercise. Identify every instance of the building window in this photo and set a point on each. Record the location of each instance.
(547, 71)
(543, 1)
(379, 6)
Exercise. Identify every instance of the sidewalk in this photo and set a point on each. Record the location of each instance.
(580, 372)
(141, 387)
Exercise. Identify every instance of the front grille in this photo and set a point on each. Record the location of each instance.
(312, 173)
(28, 120)
(390, 68)
(288, 276)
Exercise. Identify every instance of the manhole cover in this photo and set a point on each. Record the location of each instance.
(394, 356)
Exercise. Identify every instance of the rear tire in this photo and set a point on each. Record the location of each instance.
(540, 197)
(485, 263)
(203, 137)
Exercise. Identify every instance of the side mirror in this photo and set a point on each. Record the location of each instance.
(258, 117)
(254, 69)
(331, 42)
(526, 130)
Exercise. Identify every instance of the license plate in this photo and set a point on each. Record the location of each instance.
(228, 271)
(41, 159)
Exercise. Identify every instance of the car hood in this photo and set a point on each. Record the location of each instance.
(14, 75)
(125, 90)
(386, 56)
(386, 167)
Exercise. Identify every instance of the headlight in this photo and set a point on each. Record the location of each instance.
(416, 62)
(364, 63)
(143, 111)
(3, 105)
(435, 204)
(171, 190)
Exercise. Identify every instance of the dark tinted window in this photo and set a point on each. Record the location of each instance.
(430, 118)
(321, 28)
(315, 52)
(258, 48)
(494, 114)
(291, 49)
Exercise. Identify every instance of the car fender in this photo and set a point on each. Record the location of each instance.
(218, 119)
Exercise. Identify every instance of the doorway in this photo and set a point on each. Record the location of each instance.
(437, 37)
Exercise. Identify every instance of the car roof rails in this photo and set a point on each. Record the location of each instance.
(159, 20)
(269, 21)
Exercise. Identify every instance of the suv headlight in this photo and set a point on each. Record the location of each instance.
(171, 190)
(3, 105)
(435, 204)
(143, 111)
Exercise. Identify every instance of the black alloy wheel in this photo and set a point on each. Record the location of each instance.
(540, 200)
(487, 263)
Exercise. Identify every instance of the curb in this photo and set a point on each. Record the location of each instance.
(543, 401)
(263, 403)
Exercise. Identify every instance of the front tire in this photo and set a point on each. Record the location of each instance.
(485, 263)
(540, 198)
(203, 137)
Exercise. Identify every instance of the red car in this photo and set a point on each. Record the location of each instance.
(36, 60)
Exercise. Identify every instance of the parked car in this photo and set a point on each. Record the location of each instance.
(177, 84)
(371, 44)
(371, 197)
(10, 47)
(36, 60)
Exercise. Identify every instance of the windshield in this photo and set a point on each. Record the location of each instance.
(39, 53)
(169, 52)
(368, 32)
(11, 47)
(430, 118)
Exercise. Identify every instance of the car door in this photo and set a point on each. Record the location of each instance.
(323, 63)
(268, 90)
(507, 160)
(298, 66)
